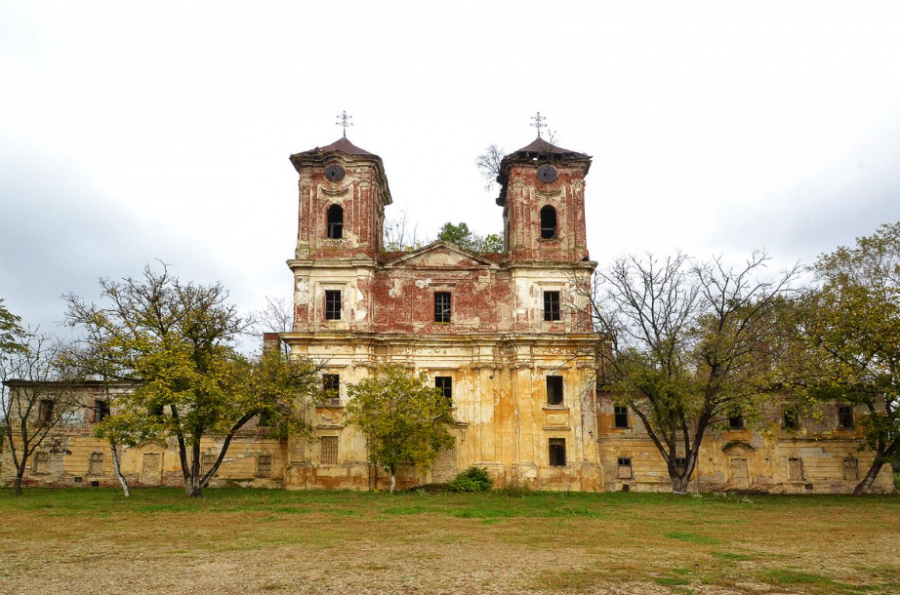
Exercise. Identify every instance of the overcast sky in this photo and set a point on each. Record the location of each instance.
(138, 131)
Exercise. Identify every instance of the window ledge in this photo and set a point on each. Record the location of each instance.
(555, 407)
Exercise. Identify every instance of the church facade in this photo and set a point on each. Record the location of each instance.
(507, 337)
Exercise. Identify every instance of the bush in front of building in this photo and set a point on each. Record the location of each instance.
(473, 479)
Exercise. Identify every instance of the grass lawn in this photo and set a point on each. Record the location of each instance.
(242, 541)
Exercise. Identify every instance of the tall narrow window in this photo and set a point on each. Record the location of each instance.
(331, 384)
(554, 390)
(851, 469)
(557, 452)
(442, 306)
(795, 469)
(332, 304)
(551, 305)
(445, 383)
(845, 417)
(207, 460)
(264, 465)
(548, 223)
(621, 417)
(791, 419)
(335, 222)
(42, 462)
(95, 466)
(328, 450)
(45, 411)
(101, 410)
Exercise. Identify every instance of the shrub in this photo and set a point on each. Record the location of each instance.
(473, 479)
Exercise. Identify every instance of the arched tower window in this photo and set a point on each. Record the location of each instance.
(335, 222)
(548, 223)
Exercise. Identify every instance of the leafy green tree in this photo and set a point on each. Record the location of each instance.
(850, 323)
(403, 417)
(12, 335)
(176, 342)
(688, 344)
(463, 237)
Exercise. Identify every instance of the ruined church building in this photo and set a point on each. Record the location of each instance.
(507, 337)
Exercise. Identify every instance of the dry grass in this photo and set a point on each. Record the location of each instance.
(94, 541)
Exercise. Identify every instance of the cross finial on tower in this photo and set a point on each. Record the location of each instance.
(538, 123)
(344, 120)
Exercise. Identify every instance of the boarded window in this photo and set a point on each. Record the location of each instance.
(551, 306)
(207, 460)
(624, 469)
(445, 384)
(791, 419)
(335, 222)
(851, 469)
(557, 452)
(548, 223)
(264, 465)
(45, 411)
(442, 306)
(101, 410)
(331, 384)
(328, 450)
(621, 417)
(95, 466)
(736, 422)
(845, 417)
(41, 462)
(332, 304)
(554, 390)
(740, 473)
(795, 469)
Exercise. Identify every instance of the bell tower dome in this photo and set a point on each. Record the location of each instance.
(343, 192)
(542, 195)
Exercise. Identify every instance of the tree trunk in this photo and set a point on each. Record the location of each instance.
(18, 489)
(117, 469)
(393, 481)
(866, 484)
(680, 484)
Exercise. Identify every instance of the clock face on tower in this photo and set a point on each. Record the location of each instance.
(334, 173)
(547, 174)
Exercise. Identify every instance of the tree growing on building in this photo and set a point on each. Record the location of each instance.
(688, 345)
(463, 237)
(849, 325)
(175, 341)
(403, 417)
(37, 399)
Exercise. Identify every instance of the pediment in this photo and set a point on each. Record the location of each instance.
(440, 255)
(737, 446)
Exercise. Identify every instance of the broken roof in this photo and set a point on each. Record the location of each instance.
(343, 145)
(540, 147)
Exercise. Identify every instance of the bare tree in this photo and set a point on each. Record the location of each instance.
(489, 165)
(37, 397)
(687, 345)
(402, 236)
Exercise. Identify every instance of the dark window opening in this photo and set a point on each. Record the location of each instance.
(45, 411)
(680, 464)
(557, 452)
(156, 410)
(445, 384)
(551, 306)
(791, 420)
(736, 422)
(335, 222)
(554, 390)
(266, 418)
(101, 410)
(624, 468)
(621, 417)
(331, 384)
(548, 223)
(442, 306)
(332, 304)
(845, 416)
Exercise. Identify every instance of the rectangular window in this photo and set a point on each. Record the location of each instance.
(554, 390)
(332, 304)
(791, 419)
(331, 384)
(851, 469)
(557, 452)
(101, 410)
(207, 460)
(445, 383)
(621, 417)
(42, 462)
(680, 464)
(795, 469)
(45, 411)
(845, 416)
(551, 306)
(264, 465)
(328, 450)
(624, 468)
(736, 422)
(442, 306)
(95, 467)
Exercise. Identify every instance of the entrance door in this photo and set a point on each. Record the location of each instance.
(740, 474)
(151, 472)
